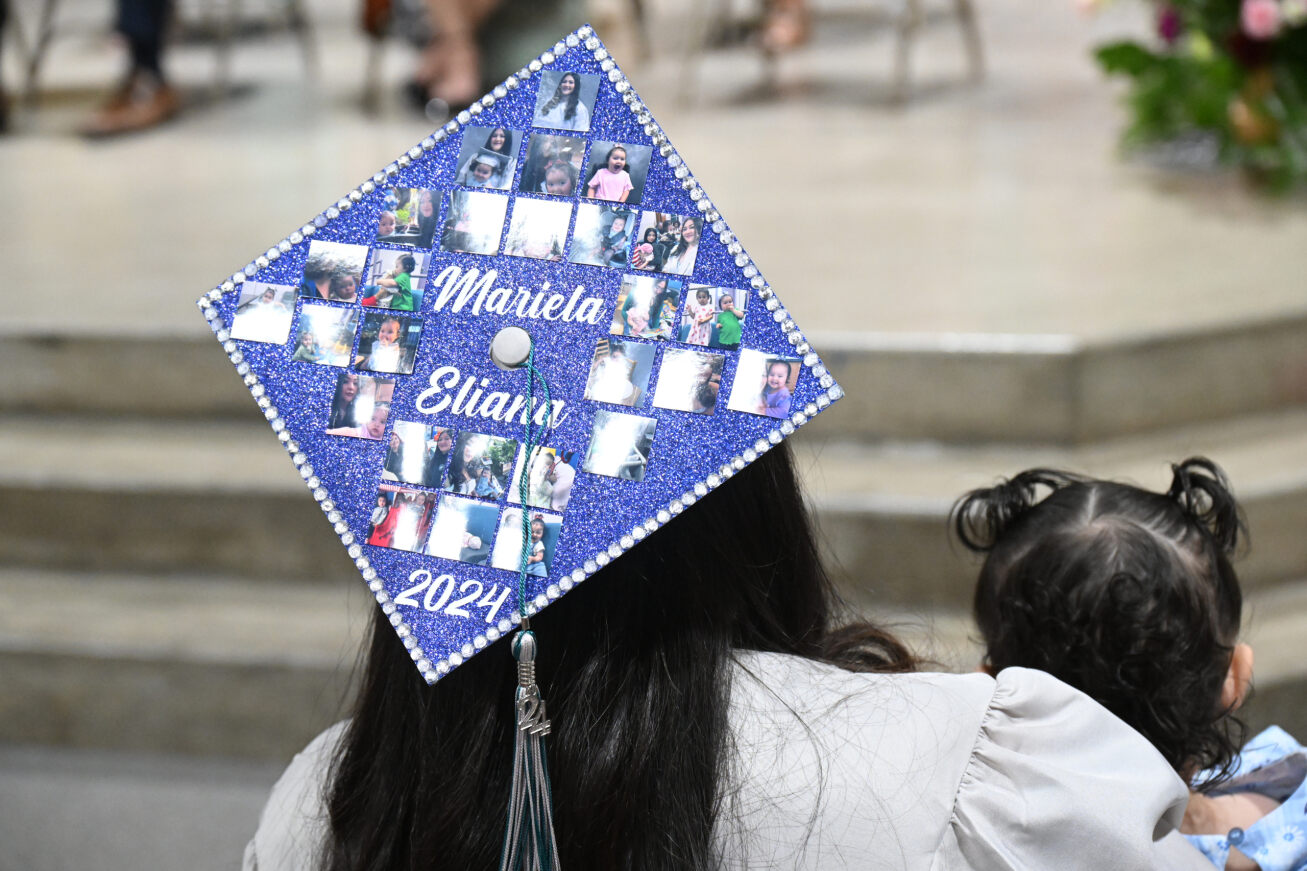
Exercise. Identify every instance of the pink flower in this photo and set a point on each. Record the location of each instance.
(1169, 24)
(1260, 18)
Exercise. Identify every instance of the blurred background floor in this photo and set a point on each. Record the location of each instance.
(991, 283)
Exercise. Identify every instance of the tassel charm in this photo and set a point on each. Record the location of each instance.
(529, 843)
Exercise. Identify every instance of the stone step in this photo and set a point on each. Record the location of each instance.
(217, 667)
(953, 387)
(883, 509)
(203, 666)
(159, 496)
(223, 498)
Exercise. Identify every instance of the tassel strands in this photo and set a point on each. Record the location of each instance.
(529, 842)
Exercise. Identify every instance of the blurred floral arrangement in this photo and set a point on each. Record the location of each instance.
(1231, 70)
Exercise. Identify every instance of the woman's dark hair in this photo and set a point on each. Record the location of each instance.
(681, 245)
(427, 224)
(508, 140)
(635, 666)
(1127, 595)
(572, 99)
(342, 411)
(648, 232)
(319, 265)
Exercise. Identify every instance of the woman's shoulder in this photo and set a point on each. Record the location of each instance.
(294, 819)
(936, 770)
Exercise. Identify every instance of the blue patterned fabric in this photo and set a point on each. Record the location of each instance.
(1275, 765)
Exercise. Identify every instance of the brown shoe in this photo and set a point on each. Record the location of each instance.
(138, 107)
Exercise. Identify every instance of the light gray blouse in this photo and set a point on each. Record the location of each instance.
(915, 772)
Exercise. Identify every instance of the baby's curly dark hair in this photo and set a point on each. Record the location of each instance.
(1125, 594)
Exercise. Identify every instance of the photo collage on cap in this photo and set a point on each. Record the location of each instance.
(552, 192)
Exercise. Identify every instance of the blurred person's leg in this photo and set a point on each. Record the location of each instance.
(145, 97)
(4, 96)
(450, 67)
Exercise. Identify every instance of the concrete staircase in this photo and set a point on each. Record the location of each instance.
(146, 552)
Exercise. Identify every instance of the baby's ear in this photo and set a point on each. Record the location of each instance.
(1239, 677)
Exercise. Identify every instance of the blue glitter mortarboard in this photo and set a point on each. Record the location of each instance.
(364, 337)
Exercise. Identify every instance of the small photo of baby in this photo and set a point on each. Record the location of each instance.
(408, 217)
(619, 372)
(400, 518)
(620, 445)
(553, 165)
(689, 380)
(388, 343)
(326, 334)
(360, 407)
(464, 530)
(549, 482)
(646, 307)
(333, 271)
(264, 313)
(712, 316)
(616, 172)
(488, 157)
(395, 280)
(542, 540)
(764, 384)
(602, 236)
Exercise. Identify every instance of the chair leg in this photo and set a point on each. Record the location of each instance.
(226, 17)
(371, 96)
(710, 14)
(908, 25)
(303, 27)
(640, 18)
(970, 28)
(44, 34)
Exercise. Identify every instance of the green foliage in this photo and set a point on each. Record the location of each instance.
(1172, 94)
(502, 453)
(1209, 77)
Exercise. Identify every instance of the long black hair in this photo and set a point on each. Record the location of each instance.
(634, 665)
(1125, 594)
(343, 411)
(572, 99)
(681, 245)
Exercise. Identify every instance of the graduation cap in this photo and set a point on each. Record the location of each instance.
(410, 437)
(472, 492)
(412, 440)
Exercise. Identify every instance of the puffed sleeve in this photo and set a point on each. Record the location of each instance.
(294, 823)
(1057, 782)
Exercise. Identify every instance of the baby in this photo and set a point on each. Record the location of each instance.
(1129, 596)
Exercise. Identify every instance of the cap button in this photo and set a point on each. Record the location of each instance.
(510, 348)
